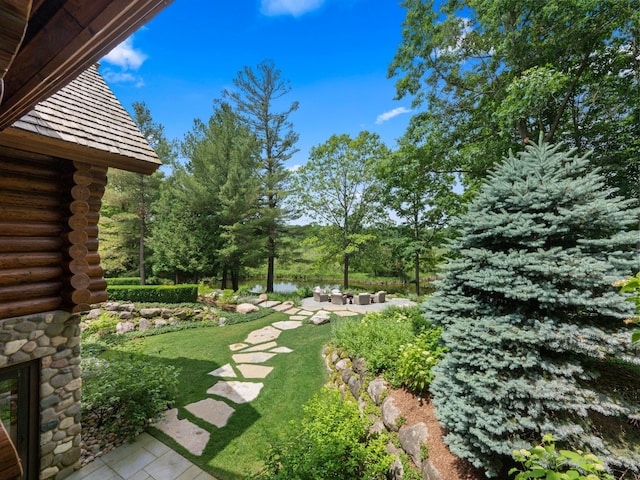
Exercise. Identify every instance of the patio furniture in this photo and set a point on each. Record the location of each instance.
(320, 296)
(379, 297)
(362, 299)
(338, 299)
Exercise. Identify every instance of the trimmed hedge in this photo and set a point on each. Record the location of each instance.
(123, 281)
(153, 293)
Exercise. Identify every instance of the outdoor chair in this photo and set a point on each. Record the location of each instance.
(320, 296)
(379, 297)
(338, 298)
(362, 299)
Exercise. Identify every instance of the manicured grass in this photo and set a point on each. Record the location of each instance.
(238, 449)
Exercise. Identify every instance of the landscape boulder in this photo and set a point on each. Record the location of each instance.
(246, 308)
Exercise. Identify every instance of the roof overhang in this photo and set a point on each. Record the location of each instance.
(45, 44)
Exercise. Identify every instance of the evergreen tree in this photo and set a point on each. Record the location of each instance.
(530, 315)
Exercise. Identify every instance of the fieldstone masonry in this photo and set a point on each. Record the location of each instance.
(53, 339)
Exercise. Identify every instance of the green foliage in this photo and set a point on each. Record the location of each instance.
(126, 394)
(123, 281)
(530, 315)
(417, 359)
(377, 337)
(103, 325)
(633, 285)
(153, 293)
(544, 461)
(332, 441)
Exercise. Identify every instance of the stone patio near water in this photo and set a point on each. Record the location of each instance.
(237, 392)
(213, 411)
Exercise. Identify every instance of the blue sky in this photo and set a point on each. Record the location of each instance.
(334, 53)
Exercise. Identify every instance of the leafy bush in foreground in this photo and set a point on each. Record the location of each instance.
(332, 442)
(125, 395)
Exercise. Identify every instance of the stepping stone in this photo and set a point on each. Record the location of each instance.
(270, 303)
(213, 411)
(254, 371)
(288, 324)
(283, 306)
(188, 434)
(298, 317)
(237, 346)
(253, 357)
(345, 313)
(282, 350)
(224, 371)
(237, 392)
(264, 346)
(305, 313)
(292, 311)
(263, 335)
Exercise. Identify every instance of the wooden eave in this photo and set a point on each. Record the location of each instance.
(62, 39)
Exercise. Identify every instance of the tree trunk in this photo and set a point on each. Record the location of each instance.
(235, 279)
(223, 284)
(345, 279)
(143, 275)
(271, 247)
(417, 267)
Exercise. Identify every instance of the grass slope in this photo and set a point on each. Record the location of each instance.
(237, 450)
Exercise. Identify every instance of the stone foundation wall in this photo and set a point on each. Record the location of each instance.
(53, 338)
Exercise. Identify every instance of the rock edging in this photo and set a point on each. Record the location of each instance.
(349, 375)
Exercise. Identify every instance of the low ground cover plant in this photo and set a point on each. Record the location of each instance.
(331, 441)
(398, 343)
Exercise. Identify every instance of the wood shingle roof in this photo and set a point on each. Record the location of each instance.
(84, 121)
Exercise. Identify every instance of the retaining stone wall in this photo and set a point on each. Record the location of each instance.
(350, 376)
(53, 338)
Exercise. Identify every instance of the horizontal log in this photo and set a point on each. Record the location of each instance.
(37, 200)
(79, 281)
(29, 184)
(93, 258)
(97, 191)
(77, 222)
(95, 204)
(16, 244)
(93, 217)
(30, 260)
(95, 271)
(77, 252)
(28, 168)
(80, 192)
(19, 308)
(31, 229)
(91, 231)
(78, 266)
(82, 177)
(99, 296)
(98, 284)
(92, 244)
(77, 297)
(30, 290)
(15, 276)
(12, 213)
(75, 237)
(83, 307)
(79, 207)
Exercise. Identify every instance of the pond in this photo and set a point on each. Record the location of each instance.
(290, 286)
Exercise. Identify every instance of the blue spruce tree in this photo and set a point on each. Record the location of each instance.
(531, 317)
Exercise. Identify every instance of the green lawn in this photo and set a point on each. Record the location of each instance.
(237, 450)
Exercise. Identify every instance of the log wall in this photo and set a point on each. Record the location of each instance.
(49, 209)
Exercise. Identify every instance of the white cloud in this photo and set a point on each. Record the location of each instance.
(294, 168)
(122, 77)
(125, 56)
(383, 117)
(295, 8)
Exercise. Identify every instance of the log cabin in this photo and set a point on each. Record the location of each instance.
(61, 129)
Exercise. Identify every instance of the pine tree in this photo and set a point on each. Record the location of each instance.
(530, 315)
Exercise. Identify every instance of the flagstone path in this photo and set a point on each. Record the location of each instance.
(236, 382)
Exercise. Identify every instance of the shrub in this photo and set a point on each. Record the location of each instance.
(544, 461)
(125, 395)
(103, 325)
(417, 359)
(153, 293)
(123, 281)
(528, 308)
(332, 441)
(377, 337)
(632, 285)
